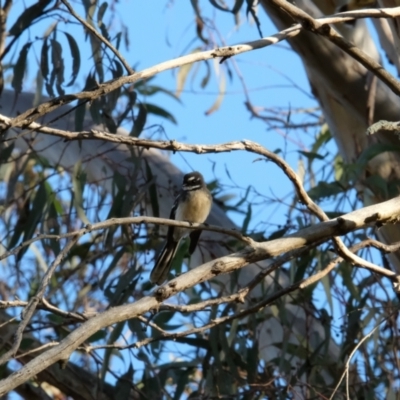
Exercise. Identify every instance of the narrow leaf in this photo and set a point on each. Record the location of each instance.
(140, 121)
(44, 60)
(220, 97)
(237, 6)
(251, 9)
(156, 110)
(152, 190)
(247, 219)
(20, 67)
(78, 182)
(76, 57)
(216, 5)
(101, 12)
(28, 16)
(183, 73)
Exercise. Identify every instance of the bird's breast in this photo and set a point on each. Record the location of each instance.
(195, 208)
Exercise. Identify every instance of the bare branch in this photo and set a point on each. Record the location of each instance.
(133, 221)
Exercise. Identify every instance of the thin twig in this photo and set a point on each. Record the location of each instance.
(131, 221)
(346, 370)
(45, 305)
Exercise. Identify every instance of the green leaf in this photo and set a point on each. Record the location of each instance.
(323, 137)
(111, 267)
(126, 284)
(5, 152)
(34, 215)
(20, 67)
(80, 111)
(76, 58)
(183, 73)
(196, 8)
(247, 219)
(278, 233)
(140, 121)
(374, 150)
(182, 381)
(301, 264)
(311, 156)
(252, 361)
(81, 107)
(251, 9)
(44, 60)
(152, 190)
(26, 343)
(150, 90)
(28, 16)
(221, 95)
(195, 342)
(101, 12)
(346, 270)
(78, 183)
(104, 32)
(99, 335)
(207, 76)
(136, 327)
(115, 334)
(124, 386)
(156, 110)
(333, 214)
(216, 5)
(118, 40)
(58, 65)
(118, 70)
(378, 185)
(325, 189)
(237, 6)
(323, 260)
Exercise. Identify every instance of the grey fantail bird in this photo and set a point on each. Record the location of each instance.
(193, 204)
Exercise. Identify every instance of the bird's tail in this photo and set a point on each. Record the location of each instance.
(163, 264)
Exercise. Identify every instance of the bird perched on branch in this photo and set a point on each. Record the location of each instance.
(193, 204)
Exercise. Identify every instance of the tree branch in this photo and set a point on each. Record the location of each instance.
(131, 221)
